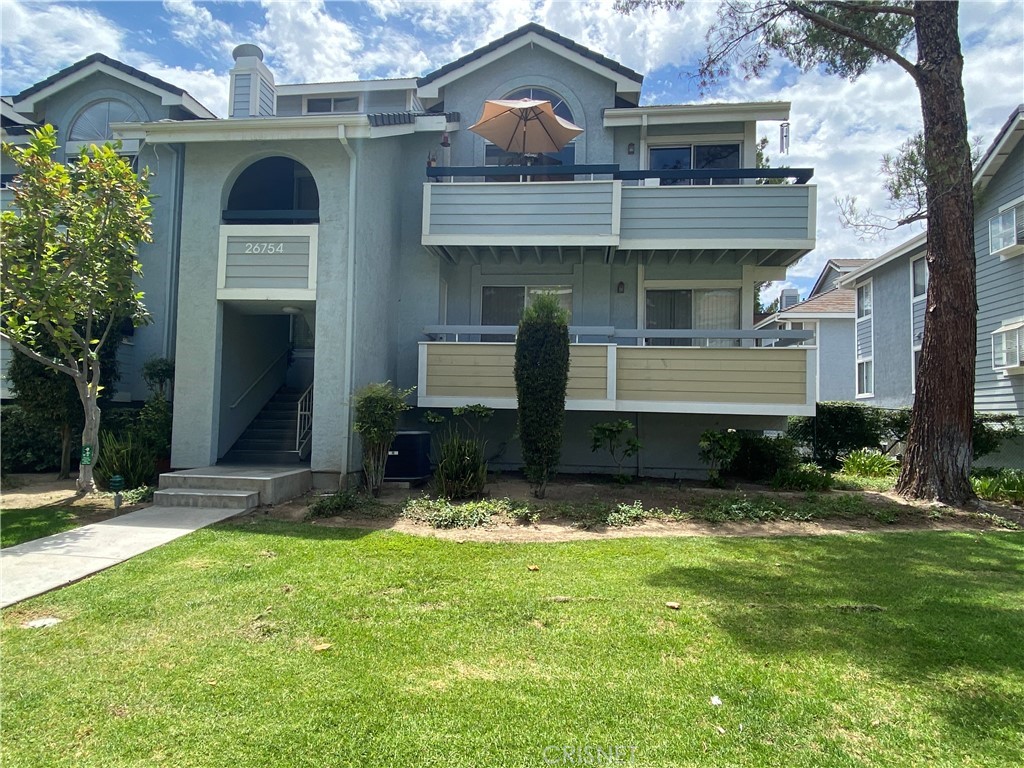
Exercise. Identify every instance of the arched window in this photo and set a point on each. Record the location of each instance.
(93, 123)
(494, 155)
(274, 190)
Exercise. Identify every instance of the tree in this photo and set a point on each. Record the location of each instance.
(846, 37)
(67, 276)
(49, 397)
(378, 407)
(542, 376)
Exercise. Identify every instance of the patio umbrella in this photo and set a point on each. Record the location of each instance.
(525, 126)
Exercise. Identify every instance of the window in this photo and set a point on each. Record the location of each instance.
(698, 157)
(864, 300)
(1006, 230)
(1008, 347)
(919, 275)
(93, 123)
(685, 309)
(865, 378)
(503, 305)
(496, 156)
(327, 105)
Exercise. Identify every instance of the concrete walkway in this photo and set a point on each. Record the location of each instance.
(39, 566)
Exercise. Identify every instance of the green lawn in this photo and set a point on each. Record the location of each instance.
(889, 649)
(21, 525)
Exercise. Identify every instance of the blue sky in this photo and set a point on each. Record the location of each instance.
(839, 128)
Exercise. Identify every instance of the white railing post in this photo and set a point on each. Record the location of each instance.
(304, 417)
(613, 366)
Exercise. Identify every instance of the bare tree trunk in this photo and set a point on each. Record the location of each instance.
(90, 435)
(65, 451)
(938, 457)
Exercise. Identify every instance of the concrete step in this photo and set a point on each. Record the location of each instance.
(207, 497)
(261, 457)
(245, 443)
(273, 483)
(269, 433)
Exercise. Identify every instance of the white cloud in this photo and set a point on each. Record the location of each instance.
(195, 26)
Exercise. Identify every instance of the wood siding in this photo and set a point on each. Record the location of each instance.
(727, 213)
(484, 371)
(686, 374)
(579, 209)
(288, 268)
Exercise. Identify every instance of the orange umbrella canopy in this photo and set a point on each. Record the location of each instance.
(525, 126)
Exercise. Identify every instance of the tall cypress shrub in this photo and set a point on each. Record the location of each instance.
(542, 375)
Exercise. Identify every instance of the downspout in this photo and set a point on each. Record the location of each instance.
(171, 329)
(350, 297)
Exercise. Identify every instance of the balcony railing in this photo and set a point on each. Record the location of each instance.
(612, 170)
(717, 371)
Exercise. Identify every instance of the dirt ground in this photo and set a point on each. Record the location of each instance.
(32, 491)
(551, 527)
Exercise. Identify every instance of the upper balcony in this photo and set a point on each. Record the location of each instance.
(712, 215)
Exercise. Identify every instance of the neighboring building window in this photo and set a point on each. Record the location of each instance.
(864, 300)
(328, 105)
(919, 270)
(685, 309)
(697, 157)
(93, 123)
(865, 378)
(1008, 346)
(1006, 230)
(504, 305)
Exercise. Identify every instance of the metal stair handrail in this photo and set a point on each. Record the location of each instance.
(304, 418)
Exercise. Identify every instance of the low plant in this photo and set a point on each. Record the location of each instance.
(742, 508)
(442, 513)
(1000, 485)
(865, 462)
(337, 503)
(628, 514)
(803, 477)
(612, 436)
(377, 408)
(30, 444)
(154, 425)
(844, 482)
(126, 456)
(717, 449)
(158, 373)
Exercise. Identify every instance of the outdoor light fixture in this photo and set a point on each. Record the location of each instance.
(291, 310)
(445, 141)
(621, 287)
(631, 148)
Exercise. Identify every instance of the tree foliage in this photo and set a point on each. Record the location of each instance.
(69, 266)
(542, 376)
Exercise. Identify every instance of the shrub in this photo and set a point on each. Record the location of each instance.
(30, 444)
(461, 469)
(378, 407)
(158, 373)
(120, 421)
(760, 458)
(868, 463)
(344, 500)
(837, 429)
(627, 514)
(717, 449)
(154, 425)
(1000, 485)
(609, 435)
(804, 477)
(542, 375)
(128, 457)
(992, 429)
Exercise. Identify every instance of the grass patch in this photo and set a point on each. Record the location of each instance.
(274, 644)
(20, 525)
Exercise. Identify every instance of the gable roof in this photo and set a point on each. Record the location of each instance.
(835, 303)
(627, 79)
(170, 94)
(1006, 141)
(841, 266)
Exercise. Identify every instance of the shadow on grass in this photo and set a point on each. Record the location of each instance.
(942, 610)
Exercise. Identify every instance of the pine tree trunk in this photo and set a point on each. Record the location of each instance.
(937, 462)
(65, 451)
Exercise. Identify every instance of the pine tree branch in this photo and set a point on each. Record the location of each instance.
(852, 34)
(868, 7)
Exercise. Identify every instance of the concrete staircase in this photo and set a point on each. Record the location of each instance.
(231, 487)
(270, 438)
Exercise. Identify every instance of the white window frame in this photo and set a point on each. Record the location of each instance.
(915, 344)
(1013, 329)
(360, 99)
(867, 317)
(1015, 208)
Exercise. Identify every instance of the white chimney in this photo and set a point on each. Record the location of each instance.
(253, 93)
